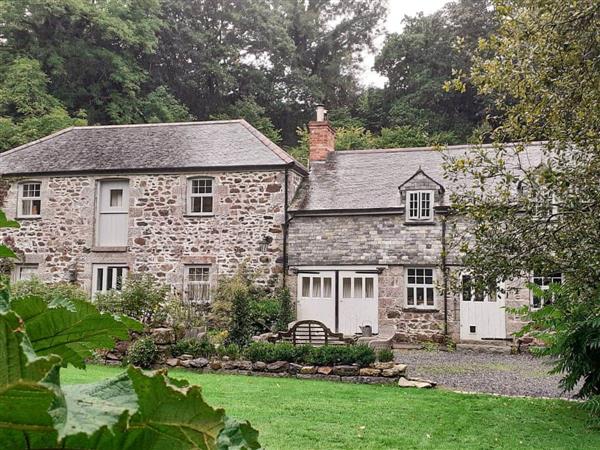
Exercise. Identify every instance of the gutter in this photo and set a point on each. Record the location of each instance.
(445, 275)
(285, 223)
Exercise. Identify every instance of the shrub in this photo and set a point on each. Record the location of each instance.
(240, 331)
(49, 292)
(385, 355)
(286, 314)
(142, 353)
(326, 355)
(232, 351)
(198, 348)
(264, 313)
(141, 298)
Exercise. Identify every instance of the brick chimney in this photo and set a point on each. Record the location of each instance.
(321, 136)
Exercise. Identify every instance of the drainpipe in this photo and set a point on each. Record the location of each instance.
(285, 225)
(445, 274)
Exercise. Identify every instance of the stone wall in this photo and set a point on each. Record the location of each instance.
(388, 241)
(248, 206)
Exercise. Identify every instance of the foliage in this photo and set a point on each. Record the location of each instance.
(232, 351)
(385, 355)
(49, 292)
(196, 347)
(569, 327)
(286, 313)
(142, 353)
(27, 111)
(541, 214)
(305, 354)
(142, 298)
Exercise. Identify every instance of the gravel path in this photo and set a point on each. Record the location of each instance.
(483, 372)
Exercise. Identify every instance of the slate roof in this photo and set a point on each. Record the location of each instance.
(148, 147)
(369, 179)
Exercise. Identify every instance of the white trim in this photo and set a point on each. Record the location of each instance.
(21, 198)
(340, 268)
(423, 285)
(420, 217)
(190, 195)
(104, 281)
(543, 287)
(17, 271)
(187, 282)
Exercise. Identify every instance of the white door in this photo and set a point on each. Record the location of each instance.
(316, 297)
(358, 302)
(113, 217)
(481, 316)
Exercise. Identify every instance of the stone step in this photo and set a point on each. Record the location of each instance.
(406, 346)
(484, 348)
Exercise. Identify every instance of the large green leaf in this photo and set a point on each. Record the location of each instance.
(71, 329)
(26, 389)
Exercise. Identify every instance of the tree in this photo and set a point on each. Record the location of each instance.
(542, 69)
(422, 57)
(27, 111)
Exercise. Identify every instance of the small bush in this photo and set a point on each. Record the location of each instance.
(232, 351)
(50, 292)
(286, 313)
(198, 348)
(385, 355)
(142, 353)
(326, 355)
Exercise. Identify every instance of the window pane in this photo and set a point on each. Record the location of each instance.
(466, 288)
(420, 296)
(196, 204)
(99, 279)
(27, 207)
(410, 296)
(207, 204)
(36, 207)
(316, 290)
(116, 197)
(358, 293)
(413, 208)
(369, 288)
(305, 287)
(109, 278)
(430, 296)
(425, 204)
(327, 287)
(347, 287)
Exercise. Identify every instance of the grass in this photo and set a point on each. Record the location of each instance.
(307, 414)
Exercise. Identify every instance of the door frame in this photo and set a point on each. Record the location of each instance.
(500, 309)
(337, 270)
(98, 206)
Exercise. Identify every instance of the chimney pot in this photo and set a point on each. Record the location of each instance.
(321, 113)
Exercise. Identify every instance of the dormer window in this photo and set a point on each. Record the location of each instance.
(200, 196)
(30, 199)
(419, 205)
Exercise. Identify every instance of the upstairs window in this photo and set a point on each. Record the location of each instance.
(200, 196)
(30, 199)
(420, 288)
(544, 283)
(419, 205)
(197, 284)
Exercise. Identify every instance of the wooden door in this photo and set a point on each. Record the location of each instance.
(113, 218)
(358, 302)
(316, 297)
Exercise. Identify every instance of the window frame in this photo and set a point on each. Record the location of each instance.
(190, 196)
(207, 282)
(311, 286)
(414, 286)
(420, 217)
(20, 198)
(105, 268)
(16, 276)
(544, 287)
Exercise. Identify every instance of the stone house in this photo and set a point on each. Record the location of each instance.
(361, 238)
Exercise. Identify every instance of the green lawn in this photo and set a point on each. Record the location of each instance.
(302, 414)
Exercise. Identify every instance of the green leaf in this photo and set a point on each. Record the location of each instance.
(26, 390)
(71, 331)
(237, 436)
(5, 223)
(6, 252)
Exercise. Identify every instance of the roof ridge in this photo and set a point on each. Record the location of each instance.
(436, 148)
(161, 124)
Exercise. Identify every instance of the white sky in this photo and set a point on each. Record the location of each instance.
(396, 12)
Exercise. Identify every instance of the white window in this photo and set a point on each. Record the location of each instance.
(200, 196)
(316, 286)
(197, 284)
(25, 272)
(358, 286)
(544, 284)
(30, 199)
(419, 205)
(419, 288)
(107, 277)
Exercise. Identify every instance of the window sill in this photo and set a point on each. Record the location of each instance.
(109, 249)
(415, 223)
(430, 309)
(198, 216)
(28, 217)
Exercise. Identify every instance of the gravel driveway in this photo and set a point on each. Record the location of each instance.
(483, 372)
